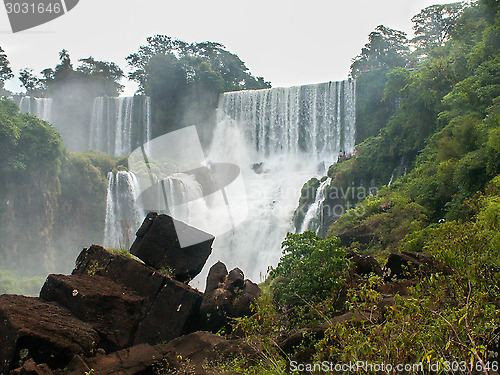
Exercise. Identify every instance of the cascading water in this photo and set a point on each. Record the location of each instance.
(315, 210)
(279, 138)
(124, 212)
(119, 125)
(40, 107)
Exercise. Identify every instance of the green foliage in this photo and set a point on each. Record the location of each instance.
(387, 48)
(5, 70)
(313, 268)
(434, 25)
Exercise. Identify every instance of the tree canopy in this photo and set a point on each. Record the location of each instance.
(5, 70)
(386, 49)
(228, 66)
(433, 25)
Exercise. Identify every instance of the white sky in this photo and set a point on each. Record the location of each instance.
(287, 42)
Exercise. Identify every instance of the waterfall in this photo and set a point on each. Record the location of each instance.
(314, 119)
(280, 138)
(40, 107)
(315, 210)
(119, 125)
(124, 213)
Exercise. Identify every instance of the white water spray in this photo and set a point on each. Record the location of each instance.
(280, 138)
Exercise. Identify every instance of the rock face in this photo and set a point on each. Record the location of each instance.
(159, 241)
(113, 310)
(42, 331)
(227, 295)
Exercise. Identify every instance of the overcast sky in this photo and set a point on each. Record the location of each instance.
(286, 41)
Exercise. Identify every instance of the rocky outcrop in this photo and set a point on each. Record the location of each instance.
(43, 331)
(227, 295)
(165, 243)
(114, 314)
(113, 310)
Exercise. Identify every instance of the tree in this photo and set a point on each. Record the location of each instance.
(386, 48)
(433, 26)
(29, 80)
(5, 70)
(229, 66)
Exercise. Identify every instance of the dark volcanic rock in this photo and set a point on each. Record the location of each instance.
(191, 354)
(200, 349)
(364, 265)
(159, 242)
(170, 307)
(113, 310)
(409, 264)
(227, 296)
(121, 269)
(170, 313)
(45, 332)
(137, 360)
(31, 368)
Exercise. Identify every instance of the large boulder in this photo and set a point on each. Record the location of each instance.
(171, 314)
(363, 264)
(113, 310)
(122, 269)
(43, 331)
(165, 243)
(200, 350)
(136, 360)
(170, 307)
(408, 264)
(227, 295)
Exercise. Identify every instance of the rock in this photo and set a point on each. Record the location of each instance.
(165, 243)
(31, 368)
(121, 269)
(364, 264)
(362, 233)
(242, 303)
(191, 354)
(137, 360)
(406, 265)
(45, 332)
(171, 314)
(227, 296)
(170, 307)
(198, 350)
(113, 310)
